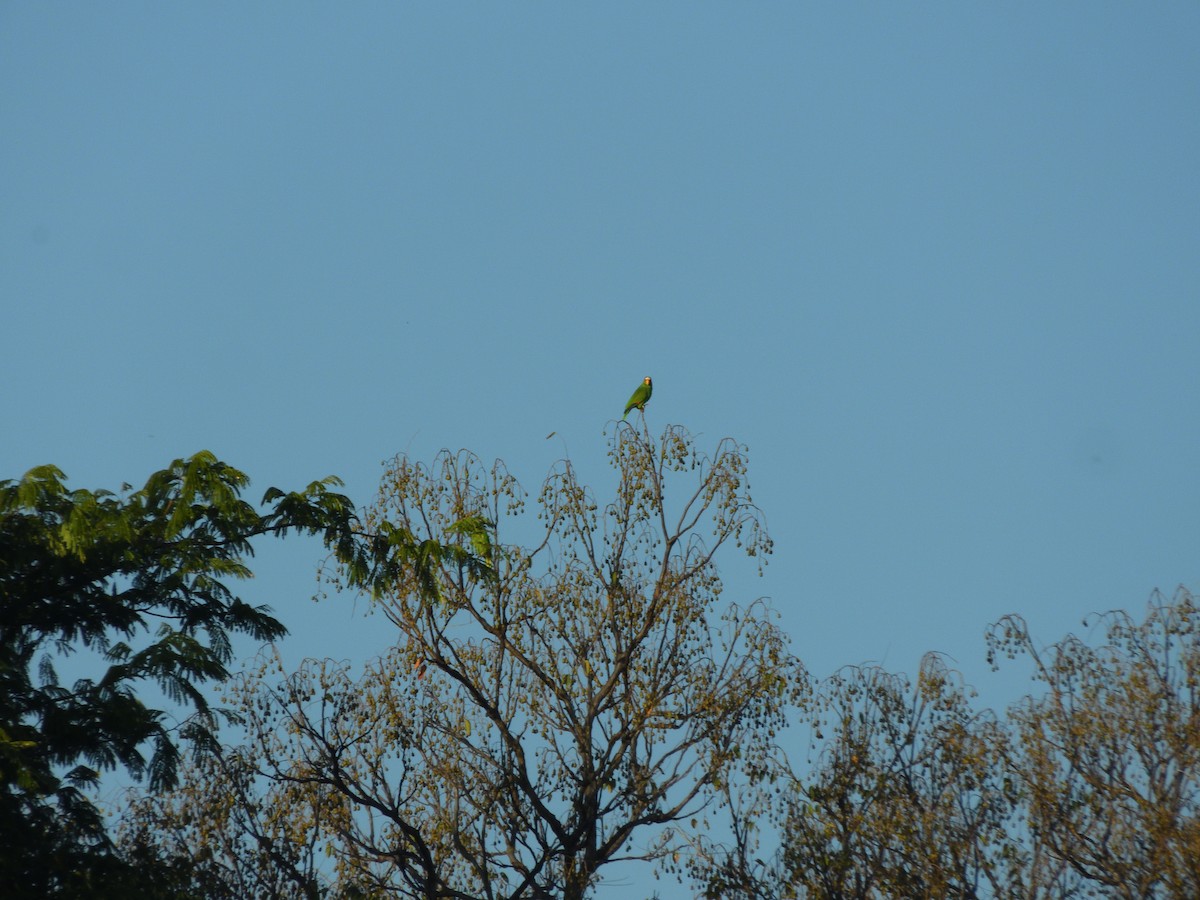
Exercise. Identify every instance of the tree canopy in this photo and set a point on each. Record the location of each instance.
(568, 688)
(142, 581)
(1089, 788)
(538, 712)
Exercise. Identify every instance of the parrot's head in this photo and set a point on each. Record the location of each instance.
(646, 380)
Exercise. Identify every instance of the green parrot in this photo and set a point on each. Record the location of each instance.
(640, 396)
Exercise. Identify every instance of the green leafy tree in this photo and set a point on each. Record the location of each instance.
(551, 706)
(141, 580)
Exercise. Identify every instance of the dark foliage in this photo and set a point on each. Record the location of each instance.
(141, 580)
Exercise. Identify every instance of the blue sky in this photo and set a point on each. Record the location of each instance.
(937, 265)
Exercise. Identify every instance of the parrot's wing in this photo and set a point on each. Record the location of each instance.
(639, 398)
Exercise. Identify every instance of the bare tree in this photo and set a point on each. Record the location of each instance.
(230, 835)
(903, 797)
(1109, 757)
(549, 708)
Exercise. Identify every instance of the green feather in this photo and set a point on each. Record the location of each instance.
(640, 396)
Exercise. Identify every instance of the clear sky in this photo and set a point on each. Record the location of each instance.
(936, 264)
